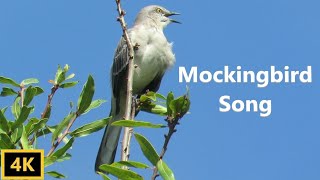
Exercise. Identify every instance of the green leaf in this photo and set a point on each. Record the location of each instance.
(15, 109)
(59, 71)
(70, 76)
(69, 84)
(64, 157)
(120, 173)
(34, 125)
(143, 98)
(55, 174)
(16, 135)
(30, 93)
(5, 80)
(7, 92)
(152, 95)
(147, 149)
(160, 110)
(52, 159)
(60, 152)
(134, 123)
(10, 123)
(149, 95)
(62, 125)
(52, 128)
(164, 171)
(160, 96)
(105, 177)
(61, 77)
(60, 155)
(86, 95)
(32, 109)
(90, 128)
(31, 124)
(29, 81)
(94, 104)
(3, 123)
(5, 142)
(24, 139)
(154, 109)
(130, 164)
(170, 98)
(25, 111)
(180, 106)
(3, 110)
(43, 132)
(39, 90)
(40, 125)
(49, 160)
(46, 130)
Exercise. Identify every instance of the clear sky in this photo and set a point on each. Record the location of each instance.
(37, 35)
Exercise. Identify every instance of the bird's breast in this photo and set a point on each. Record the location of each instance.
(151, 59)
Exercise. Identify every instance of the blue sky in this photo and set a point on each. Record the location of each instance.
(36, 36)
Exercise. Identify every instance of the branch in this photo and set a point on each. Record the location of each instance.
(48, 105)
(172, 123)
(46, 109)
(126, 147)
(65, 133)
(128, 107)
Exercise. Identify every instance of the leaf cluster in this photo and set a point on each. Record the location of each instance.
(26, 127)
(174, 109)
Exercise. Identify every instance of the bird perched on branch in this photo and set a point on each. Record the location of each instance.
(152, 57)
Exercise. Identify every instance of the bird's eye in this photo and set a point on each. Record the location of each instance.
(159, 10)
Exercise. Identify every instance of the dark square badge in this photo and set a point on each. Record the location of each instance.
(22, 164)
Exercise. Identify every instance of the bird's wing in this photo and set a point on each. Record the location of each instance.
(154, 84)
(119, 67)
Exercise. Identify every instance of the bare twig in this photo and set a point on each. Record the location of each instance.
(64, 134)
(172, 123)
(128, 107)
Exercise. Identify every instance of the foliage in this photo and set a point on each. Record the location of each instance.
(26, 127)
(170, 107)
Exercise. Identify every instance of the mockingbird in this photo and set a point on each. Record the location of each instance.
(152, 58)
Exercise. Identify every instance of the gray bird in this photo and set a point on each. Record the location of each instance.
(153, 57)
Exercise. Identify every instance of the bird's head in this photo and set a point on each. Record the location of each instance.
(156, 15)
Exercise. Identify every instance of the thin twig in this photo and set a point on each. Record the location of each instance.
(64, 134)
(48, 105)
(46, 109)
(172, 123)
(126, 135)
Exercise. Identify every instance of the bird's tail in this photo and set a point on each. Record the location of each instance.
(109, 143)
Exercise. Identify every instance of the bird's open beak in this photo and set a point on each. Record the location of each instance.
(172, 14)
